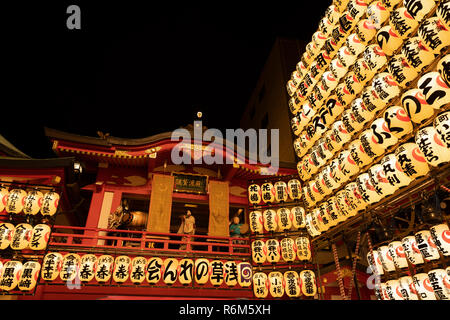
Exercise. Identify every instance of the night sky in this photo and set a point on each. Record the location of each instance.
(135, 70)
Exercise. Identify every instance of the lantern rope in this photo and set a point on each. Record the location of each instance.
(338, 270)
(349, 295)
(445, 188)
(374, 268)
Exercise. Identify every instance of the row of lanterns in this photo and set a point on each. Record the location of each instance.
(274, 193)
(283, 219)
(17, 201)
(24, 236)
(15, 274)
(289, 283)
(272, 250)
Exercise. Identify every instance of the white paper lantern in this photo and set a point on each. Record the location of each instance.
(362, 71)
(50, 203)
(259, 251)
(412, 160)
(70, 267)
(417, 54)
(427, 247)
(319, 39)
(374, 261)
(380, 182)
(7, 231)
(267, 192)
(288, 249)
(434, 150)
(338, 69)
(412, 251)
(366, 189)
(16, 201)
(399, 123)
(402, 22)
(270, 220)
(292, 284)
(402, 72)
(281, 192)
(273, 250)
(294, 189)
(385, 86)
(407, 288)
(394, 173)
(276, 287)
(441, 238)
(398, 255)
(256, 221)
(321, 186)
(10, 279)
(260, 285)
(328, 179)
(435, 90)
(254, 194)
(310, 227)
(336, 173)
(325, 27)
(350, 122)
(423, 286)
(343, 204)
(354, 44)
(29, 276)
(371, 99)
(390, 4)
(22, 236)
(386, 259)
(353, 85)
(51, 266)
(299, 215)
(382, 135)
(284, 221)
(393, 290)
(443, 67)
(418, 9)
(347, 164)
(434, 34)
(377, 13)
(439, 281)
(354, 197)
(301, 68)
(416, 106)
(374, 57)
(308, 283)
(358, 154)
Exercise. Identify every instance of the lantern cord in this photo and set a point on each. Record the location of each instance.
(373, 267)
(445, 188)
(338, 270)
(349, 295)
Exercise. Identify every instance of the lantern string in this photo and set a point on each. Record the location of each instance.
(349, 295)
(338, 270)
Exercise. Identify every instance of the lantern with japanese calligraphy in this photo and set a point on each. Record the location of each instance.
(122, 268)
(245, 274)
(375, 262)
(281, 192)
(417, 54)
(51, 266)
(370, 144)
(366, 189)
(301, 68)
(443, 13)
(434, 34)
(435, 90)
(16, 200)
(293, 189)
(390, 4)
(331, 141)
(304, 142)
(230, 273)
(385, 86)
(50, 203)
(354, 197)
(104, 267)
(299, 151)
(441, 238)
(328, 179)
(259, 251)
(306, 194)
(341, 134)
(418, 9)
(344, 205)
(337, 68)
(170, 271)
(319, 39)
(288, 249)
(22, 236)
(388, 40)
(267, 192)
(371, 99)
(354, 44)
(343, 94)
(29, 276)
(273, 250)
(434, 150)
(407, 288)
(353, 85)
(10, 277)
(308, 283)
(302, 171)
(384, 292)
(398, 122)
(256, 222)
(423, 286)
(365, 30)
(315, 194)
(360, 112)
(443, 68)
(88, 265)
(402, 22)
(345, 57)
(307, 58)
(442, 125)
(382, 136)
(39, 237)
(347, 165)
(362, 71)
(202, 270)
(254, 194)
(310, 227)
(320, 185)
(260, 285)
(292, 284)
(295, 125)
(270, 220)
(393, 290)
(33, 202)
(350, 122)
(3, 198)
(291, 88)
(397, 253)
(426, 245)
(185, 271)
(415, 104)
(216, 271)
(394, 173)
(358, 154)
(296, 77)
(377, 13)
(401, 71)
(412, 160)
(138, 268)
(70, 267)
(299, 219)
(386, 259)
(276, 286)
(334, 211)
(323, 218)
(380, 182)
(412, 251)
(440, 282)
(284, 219)
(303, 248)
(374, 57)
(6, 234)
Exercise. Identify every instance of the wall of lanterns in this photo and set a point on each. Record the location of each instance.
(370, 100)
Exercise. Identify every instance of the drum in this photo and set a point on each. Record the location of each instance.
(244, 228)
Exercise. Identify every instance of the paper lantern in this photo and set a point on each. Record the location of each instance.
(377, 13)
(366, 30)
(401, 71)
(336, 174)
(412, 160)
(312, 230)
(319, 39)
(12, 271)
(386, 259)
(328, 81)
(381, 134)
(418, 9)
(353, 85)
(328, 179)
(375, 263)
(384, 292)
(317, 158)
(104, 268)
(417, 108)
(345, 25)
(288, 249)
(390, 4)
(50, 204)
(259, 251)
(362, 71)
(305, 142)
(70, 267)
(338, 69)
(370, 145)
(407, 288)
(308, 283)
(374, 57)
(380, 182)
(292, 284)
(276, 287)
(343, 204)
(412, 251)
(284, 221)
(217, 272)
(417, 54)
(325, 27)
(366, 189)
(434, 34)
(244, 274)
(351, 124)
(88, 264)
(254, 194)
(3, 198)
(304, 168)
(307, 59)
(260, 285)
(427, 247)
(394, 173)
(301, 69)
(303, 248)
(393, 290)
(443, 13)
(312, 49)
(33, 202)
(273, 251)
(295, 107)
(331, 141)
(330, 48)
(202, 271)
(343, 94)
(346, 57)
(230, 272)
(270, 220)
(299, 151)
(22, 236)
(316, 70)
(296, 78)
(29, 276)
(268, 192)
(170, 271)
(443, 68)
(323, 60)
(347, 164)
(295, 125)
(432, 147)
(293, 189)
(322, 218)
(51, 266)
(313, 193)
(256, 221)
(385, 86)
(340, 133)
(16, 201)
(402, 23)
(281, 192)
(397, 252)
(398, 122)
(321, 186)
(122, 268)
(185, 271)
(354, 44)
(334, 212)
(7, 231)
(354, 197)
(332, 13)
(439, 281)
(435, 90)
(139, 266)
(358, 154)
(299, 218)
(423, 286)
(39, 237)
(440, 235)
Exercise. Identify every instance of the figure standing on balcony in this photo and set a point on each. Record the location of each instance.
(187, 226)
(237, 229)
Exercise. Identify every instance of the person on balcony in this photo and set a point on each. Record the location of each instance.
(187, 226)
(236, 229)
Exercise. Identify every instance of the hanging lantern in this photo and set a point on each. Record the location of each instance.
(435, 90)
(103, 272)
(292, 284)
(347, 165)
(412, 160)
(299, 218)
(417, 54)
(301, 69)
(334, 212)
(393, 290)
(254, 194)
(70, 267)
(338, 69)
(418, 9)
(354, 197)
(407, 288)
(343, 28)
(394, 173)
(427, 247)
(299, 151)
(386, 259)
(385, 86)
(3, 198)
(439, 281)
(244, 274)
(230, 273)
(288, 249)
(293, 188)
(7, 231)
(33, 202)
(402, 23)
(434, 150)
(383, 291)
(138, 267)
(50, 204)
(366, 189)
(366, 30)
(375, 263)
(341, 5)
(276, 287)
(328, 82)
(443, 13)
(440, 235)
(388, 40)
(267, 192)
(423, 286)
(380, 182)
(302, 171)
(345, 57)
(411, 250)
(185, 271)
(343, 204)
(281, 192)
(443, 68)
(29, 276)
(434, 34)
(10, 279)
(314, 192)
(296, 78)
(382, 136)
(328, 179)
(325, 26)
(216, 273)
(122, 268)
(398, 122)
(374, 57)
(16, 200)
(291, 87)
(305, 141)
(336, 174)
(332, 13)
(51, 266)
(390, 4)
(320, 185)
(362, 71)
(295, 107)
(170, 271)
(260, 285)
(319, 39)
(371, 99)
(303, 248)
(343, 94)
(402, 72)
(311, 49)
(310, 227)
(308, 283)
(330, 110)
(398, 255)
(370, 145)
(284, 221)
(259, 251)
(307, 59)
(340, 133)
(353, 85)
(273, 251)
(377, 13)
(358, 154)
(256, 222)
(354, 44)
(307, 197)
(331, 141)
(202, 271)
(39, 237)
(270, 220)
(88, 264)
(323, 218)
(295, 125)
(22, 236)
(415, 104)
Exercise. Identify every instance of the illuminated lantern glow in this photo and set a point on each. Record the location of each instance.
(398, 254)
(295, 104)
(256, 222)
(341, 134)
(371, 99)
(315, 194)
(394, 173)
(299, 151)
(328, 179)
(303, 168)
(432, 147)
(390, 4)
(3, 198)
(317, 157)
(417, 54)
(307, 59)
(29, 276)
(358, 154)
(398, 122)
(322, 186)
(427, 247)
(366, 30)
(341, 5)
(319, 39)
(88, 265)
(10, 279)
(325, 27)
(324, 150)
(254, 194)
(434, 34)
(393, 290)
(328, 81)
(105, 264)
(334, 211)
(347, 165)
(441, 238)
(442, 126)
(295, 125)
(301, 69)
(412, 160)
(7, 231)
(312, 49)
(50, 204)
(343, 204)
(332, 14)
(366, 189)
(296, 78)
(281, 192)
(336, 174)
(51, 266)
(362, 72)
(203, 270)
(370, 145)
(169, 271)
(303, 248)
(292, 284)
(299, 218)
(382, 136)
(443, 13)
(377, 13)
(423, 286)
(122, 269)
(230, 273)
(402, 23)
(308, 283)
(270, 220)
(380, 182)
(343, 94)
(260, 285)
(383, 291)
(344, 27)
(402, 72)
(33, 202)
(407, 288)
(439, 281)
(307, 196)
(284, 221)
(418, 9)
(374, 57)
(354, 197)
(338, 69)
(331, 141)
(138, 268)
(354, 44)
(443, 67)
(412, 251)
(245, 274)
(375, 265)
(322, 218)
(22, 237)
(385, 86)
(350, 122)
(16, 200)
(276, 287)
(353, 85)
(39, 237)
(310, 228)
(217, 273)
(435, 90)
(273, 251)
(288, 249)
(346, 57)
(268, 192)
(416, 106)
(386, 259)
(70, 267)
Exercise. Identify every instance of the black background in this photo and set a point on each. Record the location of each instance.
(136, 68)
